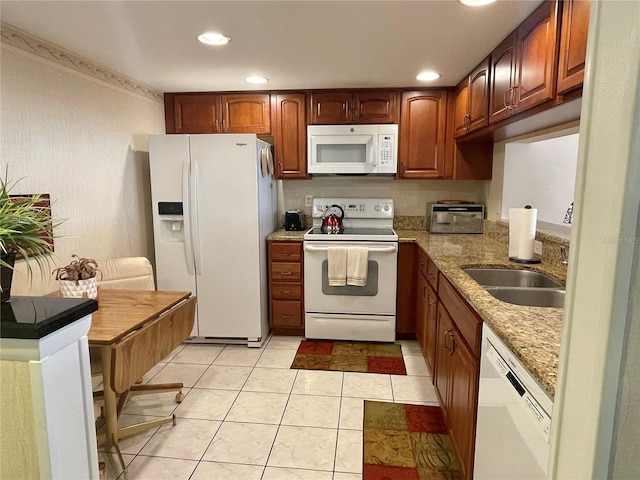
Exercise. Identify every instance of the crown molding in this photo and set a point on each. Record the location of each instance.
(36, 46)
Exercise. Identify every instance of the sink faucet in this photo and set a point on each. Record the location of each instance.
(563, 255)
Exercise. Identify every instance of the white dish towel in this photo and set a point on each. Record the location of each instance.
(337, 266)
(357, 266)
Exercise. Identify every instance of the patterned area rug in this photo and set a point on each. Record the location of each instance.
(407, 442)
(350, 357)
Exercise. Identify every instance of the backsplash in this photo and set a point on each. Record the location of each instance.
(551, 244)
(410, 196)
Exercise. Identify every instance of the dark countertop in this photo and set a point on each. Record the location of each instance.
(36, 317)
(532, 333)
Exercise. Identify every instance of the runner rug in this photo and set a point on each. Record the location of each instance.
(350, 357)
(407, 442)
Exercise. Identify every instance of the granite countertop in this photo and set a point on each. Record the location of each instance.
(36, 317)
(532, 333)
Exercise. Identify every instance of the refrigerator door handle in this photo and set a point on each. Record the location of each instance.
(193, 211)
(186, 202)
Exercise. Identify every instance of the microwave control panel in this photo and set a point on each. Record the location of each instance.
(387, 150)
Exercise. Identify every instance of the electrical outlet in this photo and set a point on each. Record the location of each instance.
(308, 200)
(537, 247)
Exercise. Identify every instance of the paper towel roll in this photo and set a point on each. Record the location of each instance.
(522, 232)
(527, 235)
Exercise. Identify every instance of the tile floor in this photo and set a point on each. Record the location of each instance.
(247, 416)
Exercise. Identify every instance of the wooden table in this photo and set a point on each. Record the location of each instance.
(135, 329)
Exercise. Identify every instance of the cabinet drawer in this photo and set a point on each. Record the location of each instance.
(286, 313)
(286, 291)
(287, 252)
(286, 271)
(468, 323)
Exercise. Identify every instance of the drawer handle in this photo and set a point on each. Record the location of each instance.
(286, 315)
(453, 343)
(290, 272)
(286, 291)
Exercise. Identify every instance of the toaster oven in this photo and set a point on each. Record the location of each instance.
(456, 218)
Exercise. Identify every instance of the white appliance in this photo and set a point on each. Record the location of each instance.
(514, 417)
(352, 149)
(365, 313)
(212, 210)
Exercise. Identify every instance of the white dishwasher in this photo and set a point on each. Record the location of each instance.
(514, 417)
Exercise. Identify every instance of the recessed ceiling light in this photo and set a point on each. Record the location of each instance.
(476, 3)
(427, 76)
(256, 79)
(213, 38)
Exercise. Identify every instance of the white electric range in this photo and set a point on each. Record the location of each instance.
(347, 312)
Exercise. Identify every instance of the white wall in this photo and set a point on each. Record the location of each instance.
(603, 244)
(83, 142)
(541, 174)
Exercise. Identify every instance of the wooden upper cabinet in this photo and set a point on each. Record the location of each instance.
(537, 57)
(421, 146)
(290, 136)
(573, 44)
(246, 113)
(523, 66)
(193, 113)
(217, 113)
(503, 79)
(346, 107)
(472, 101)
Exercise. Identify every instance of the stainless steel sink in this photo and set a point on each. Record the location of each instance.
(501, 277)
(529, 296)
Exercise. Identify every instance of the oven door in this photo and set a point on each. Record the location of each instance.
(378, 297)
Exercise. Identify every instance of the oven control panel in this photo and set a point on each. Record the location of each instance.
(355, 207)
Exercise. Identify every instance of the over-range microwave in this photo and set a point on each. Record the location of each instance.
(352, 149)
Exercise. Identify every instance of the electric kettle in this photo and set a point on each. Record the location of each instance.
(332, 223)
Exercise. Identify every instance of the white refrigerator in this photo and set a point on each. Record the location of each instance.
(213, 207)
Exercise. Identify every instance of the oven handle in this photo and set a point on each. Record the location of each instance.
(385, 249)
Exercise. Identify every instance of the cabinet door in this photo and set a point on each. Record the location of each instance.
(245, 113)
(537, 57)
(461, 109)
(502, 78)
(375, 107)
(443, 358)
(573, 44)
(290, 136)
(463, 402)
(431, 331)
(406, 292)
(422, 288)
(330, 108)
(478, 102)
(421, 150)
(196, 113)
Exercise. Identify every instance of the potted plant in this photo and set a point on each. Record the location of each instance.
(26, 230)
(78, 279)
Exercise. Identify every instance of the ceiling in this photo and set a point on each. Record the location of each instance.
(296, 44)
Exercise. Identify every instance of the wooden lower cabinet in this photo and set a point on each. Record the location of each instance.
(286, 290)
(456, 380)
(406, 291)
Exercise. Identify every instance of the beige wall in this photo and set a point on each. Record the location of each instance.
(84, 142)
